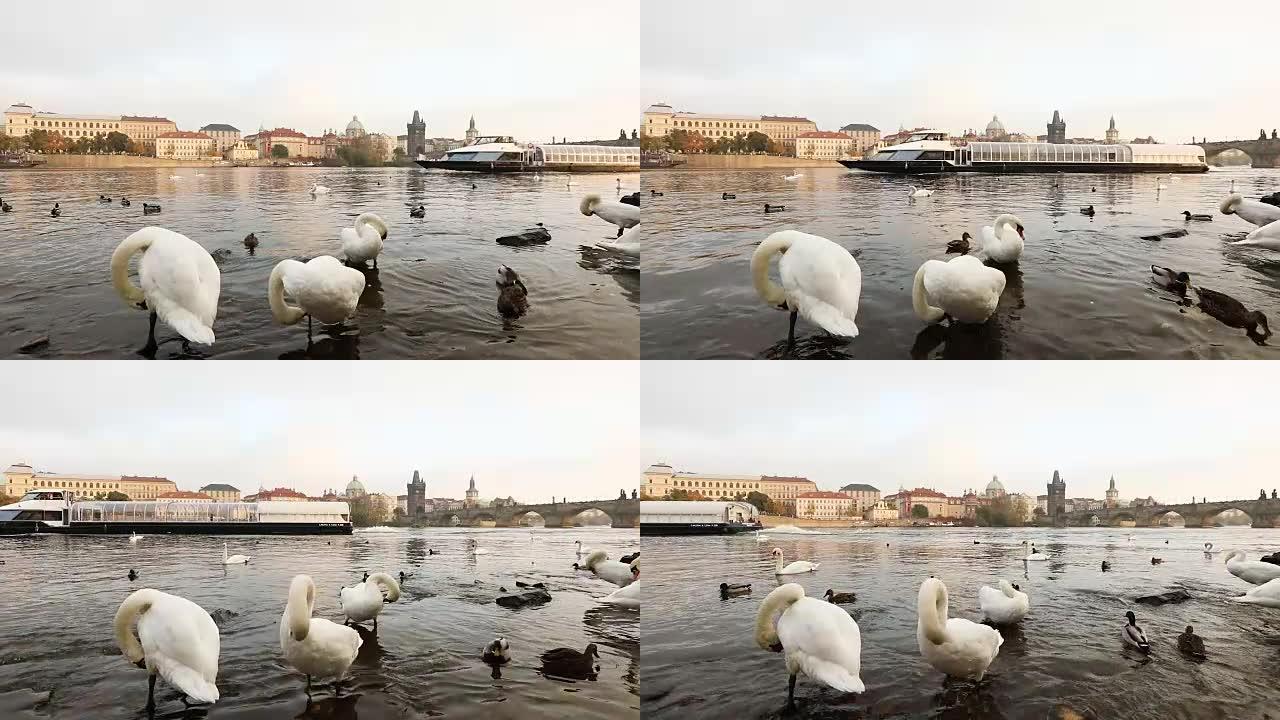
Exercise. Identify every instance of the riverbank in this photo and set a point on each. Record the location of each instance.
(770, 521)
(748, 162)
(112, 162)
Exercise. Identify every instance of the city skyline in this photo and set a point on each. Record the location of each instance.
(312, 429)
(1013, 60)
(218, 64)
(1156, 429)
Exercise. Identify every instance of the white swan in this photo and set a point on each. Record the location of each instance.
(363, 601)
(628, 243)
(958, 647)
(820, 280)
(234, 559)
(818, 638)
(1133, 635)
(618, 573)
(795, 176)
(1004, 242)
(1033, 555)
(180, 282)
(1267, 594)
(322, 288)
(363, 242)
(921, 192)
(1258, 213)
(317, 189)
(314, 646)
(1267, 236)
(176, 638)
(1005, 606)
(794, 568)
(620, 214)
(627, 596)
(581, 552)
(1160, 185)
(175, 177)
(480, 551)
(1251, 571)
(963, 288)
(134, 537)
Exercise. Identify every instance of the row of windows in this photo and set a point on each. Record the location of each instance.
(72, 124)
(714, 124)
(1027, 152)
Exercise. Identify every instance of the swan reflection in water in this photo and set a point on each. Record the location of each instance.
(342, 343)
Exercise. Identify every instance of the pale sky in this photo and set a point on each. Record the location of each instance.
(1164, 429)
(1168, 68)
(531, 70)
(525, 428)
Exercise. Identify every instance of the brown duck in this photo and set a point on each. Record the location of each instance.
(1233, 313)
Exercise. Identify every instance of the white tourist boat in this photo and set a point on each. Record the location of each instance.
(502, 154)
(933, 151)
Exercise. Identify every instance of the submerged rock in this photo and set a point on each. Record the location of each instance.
(1165, 598)
(632, 199)
(524, 599)
(1165, 234)
(1272, 199)
(532, 236)
(36, 344)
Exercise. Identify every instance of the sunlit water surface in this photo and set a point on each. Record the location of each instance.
(700, 659)
(1082, 289)
(432, 296)
(424, 661)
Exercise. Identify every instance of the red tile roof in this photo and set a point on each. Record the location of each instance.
(824, 494)
(144, 118)
(925, 492)
(281, 492)
(284, 132)
(824, 134)
(185, 134)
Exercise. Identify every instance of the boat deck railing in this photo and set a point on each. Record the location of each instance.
(108, 512)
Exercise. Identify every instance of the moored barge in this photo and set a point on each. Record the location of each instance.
(502, 154)
(697, 517)
(52, 511)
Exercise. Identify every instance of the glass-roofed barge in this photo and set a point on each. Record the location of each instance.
(53, 511)
(502, 154)
(931, 151)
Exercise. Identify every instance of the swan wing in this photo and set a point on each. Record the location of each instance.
(327, 652)
(620, 214)
(360, 602)
(1258, 213)
(628, 244)
(824, 642)
(965, 288)
(823, 282)
(329, 291)
(1267, 236)
(181, 282)
(180, 641)
(628, 596)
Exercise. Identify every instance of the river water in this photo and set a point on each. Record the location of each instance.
(62, 593)
(700, 658)
(1081, 290)
(433, 295)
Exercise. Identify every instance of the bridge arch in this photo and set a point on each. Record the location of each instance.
(1168, 518)
(1210, 518)
(529, 518)
(1122, 518)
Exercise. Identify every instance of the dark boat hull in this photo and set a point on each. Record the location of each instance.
(518, 167)
(934, 167)
(655, 529)
(32, 527)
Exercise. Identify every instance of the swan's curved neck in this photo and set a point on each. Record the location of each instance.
(932, 608)
(768, 290)
(387, 583)
(1234, 555)
(302, 597)
(133, 606)
(767, 617)
(777, 562)
(284, 313)
(920, 299)
(135, 243)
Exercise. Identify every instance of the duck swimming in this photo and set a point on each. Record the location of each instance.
(251, 241)
(1087, 211)
(1156, 561)
(418, 212)
(1233, 313)
(512, 295)
(1190, 216)
(959, 246)
(148, 209)
(836, 598)
(774, 208)
(1191, 643)
(1172, 279)
(728, 196)
(655, 193)
(56, 211)
(4, 206)
(497, 652)
(727, 590)
(124, 202)
(133, 574)
(1106, 566)
(567, 662)
(1133, 635)
(103, 199)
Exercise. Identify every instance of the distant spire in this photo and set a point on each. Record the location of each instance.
(1113, 482)
(1056, 117)
(473, 483)
(473, 123)
(416, 117)
(1113, 122)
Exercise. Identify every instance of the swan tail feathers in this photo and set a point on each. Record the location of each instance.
(829, 673)
(184, 321)
(189, 681)
(920, 298)
(828, 317)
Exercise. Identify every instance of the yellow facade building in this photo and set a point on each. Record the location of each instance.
(184, 145)
(822, 505)
(146, 130)
(660, 119)
(865, 137)
(786, 129)
(185, 496)
(241, 152)
(222, 492)
(20, 119)
(22, 478)
(864, 496)
(786, 489)
(823, 145)
(226, 136)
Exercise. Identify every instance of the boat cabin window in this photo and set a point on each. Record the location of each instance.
(38, 515)
(38, 495)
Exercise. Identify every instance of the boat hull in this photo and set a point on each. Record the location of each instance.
(518, 167)
(35, 527)
(656, 529)
(934, 167)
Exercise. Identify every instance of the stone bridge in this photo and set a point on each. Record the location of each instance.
(1263, 153)
(1263, 513)
(623, 513)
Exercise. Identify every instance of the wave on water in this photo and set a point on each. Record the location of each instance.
(378, 529)
(793, 530)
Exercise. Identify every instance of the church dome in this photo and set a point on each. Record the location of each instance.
(355, 487)
(995, 127)
(994, 487)
(355, 127)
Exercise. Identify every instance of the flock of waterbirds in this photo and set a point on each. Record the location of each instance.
(180, 282)
(822, 641)
(176, 639)
(822, 282)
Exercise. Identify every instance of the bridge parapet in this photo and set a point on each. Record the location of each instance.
(622, 513)
(1262, 513)
(1263, 153)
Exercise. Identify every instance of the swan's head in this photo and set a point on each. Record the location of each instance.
(588, 204)
(776, 552)
(1229, 205)
(1132, 620)
(373, 221)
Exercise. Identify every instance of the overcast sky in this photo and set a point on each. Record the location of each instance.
(532, 70)
(526, 429)
(1168, 68)
(1165, 429)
